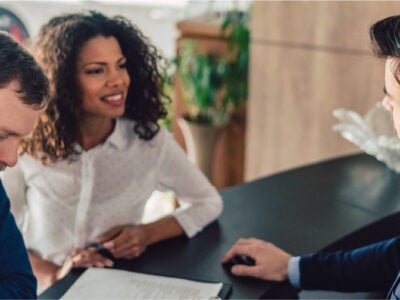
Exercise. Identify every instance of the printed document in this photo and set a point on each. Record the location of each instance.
(99, 283)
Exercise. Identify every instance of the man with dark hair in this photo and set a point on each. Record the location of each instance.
(373, 268)
(23, 93)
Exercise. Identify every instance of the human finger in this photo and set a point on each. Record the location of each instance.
(100, 261)
(109, 235)
(120, 241)
(124, 249)
(131, 252)
(243, 270)
(129, 236)
(236, 249)
(96, 259)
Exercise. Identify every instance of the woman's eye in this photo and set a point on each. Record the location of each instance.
(94, 71)
(3, 137)
(122, 66)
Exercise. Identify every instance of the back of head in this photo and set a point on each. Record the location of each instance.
(385, 36)
(17, 64)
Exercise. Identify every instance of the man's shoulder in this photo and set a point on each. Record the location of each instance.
(3, 194)
(4, 202)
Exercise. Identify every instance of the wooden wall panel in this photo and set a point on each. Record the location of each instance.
(293, 94)
(307, 59)
(337, 24)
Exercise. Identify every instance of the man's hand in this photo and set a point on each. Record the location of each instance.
(271, 262)
(125, 241)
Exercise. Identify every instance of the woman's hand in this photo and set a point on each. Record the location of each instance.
(83, 258)
(125, 241)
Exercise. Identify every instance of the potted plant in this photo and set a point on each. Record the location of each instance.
(214, 87)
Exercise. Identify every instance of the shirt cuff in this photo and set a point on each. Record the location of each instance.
(294, 271)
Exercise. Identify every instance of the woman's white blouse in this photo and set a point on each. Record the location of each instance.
(67, 205)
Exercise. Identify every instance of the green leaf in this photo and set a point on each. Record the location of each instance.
(207, 76)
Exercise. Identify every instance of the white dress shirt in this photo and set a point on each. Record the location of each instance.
(68, 204)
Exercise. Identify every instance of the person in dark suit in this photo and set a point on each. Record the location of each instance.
(23, 93)
(372, 268)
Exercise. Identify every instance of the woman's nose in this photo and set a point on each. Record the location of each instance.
(114, 79)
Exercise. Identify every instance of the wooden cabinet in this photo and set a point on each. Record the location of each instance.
(307, 59)
(228, 166)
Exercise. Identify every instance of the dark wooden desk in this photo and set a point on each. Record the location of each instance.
(300, 210)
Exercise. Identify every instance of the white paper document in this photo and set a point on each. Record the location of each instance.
(117, 284)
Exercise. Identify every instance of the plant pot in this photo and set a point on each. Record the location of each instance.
(200, 142)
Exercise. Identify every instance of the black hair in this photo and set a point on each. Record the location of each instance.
(57, 50)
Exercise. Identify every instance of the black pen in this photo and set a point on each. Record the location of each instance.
(102, 250)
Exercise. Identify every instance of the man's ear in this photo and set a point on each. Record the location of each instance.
(386, 104)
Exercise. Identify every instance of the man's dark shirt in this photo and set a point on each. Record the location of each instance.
(16, 277)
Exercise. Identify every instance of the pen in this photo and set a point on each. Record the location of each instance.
(102, 250)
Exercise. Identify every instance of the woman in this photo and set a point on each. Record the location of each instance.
(97, 152)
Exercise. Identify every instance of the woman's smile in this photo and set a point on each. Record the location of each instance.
(114, 100)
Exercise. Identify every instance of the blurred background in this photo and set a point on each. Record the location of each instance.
(253, 84)
(156, 18)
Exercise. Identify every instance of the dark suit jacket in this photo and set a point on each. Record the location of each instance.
(372, 268)
(16, 278)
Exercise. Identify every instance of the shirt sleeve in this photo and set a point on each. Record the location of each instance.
(200, 201)
(15, 186)
(294, 271)
(16, 278)
(371, 268)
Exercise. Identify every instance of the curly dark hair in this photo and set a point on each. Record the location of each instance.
(57, 49)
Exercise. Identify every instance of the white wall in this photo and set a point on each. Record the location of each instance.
(156, 18)
(157, 21)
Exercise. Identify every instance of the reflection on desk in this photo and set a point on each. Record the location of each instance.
(301, 210)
